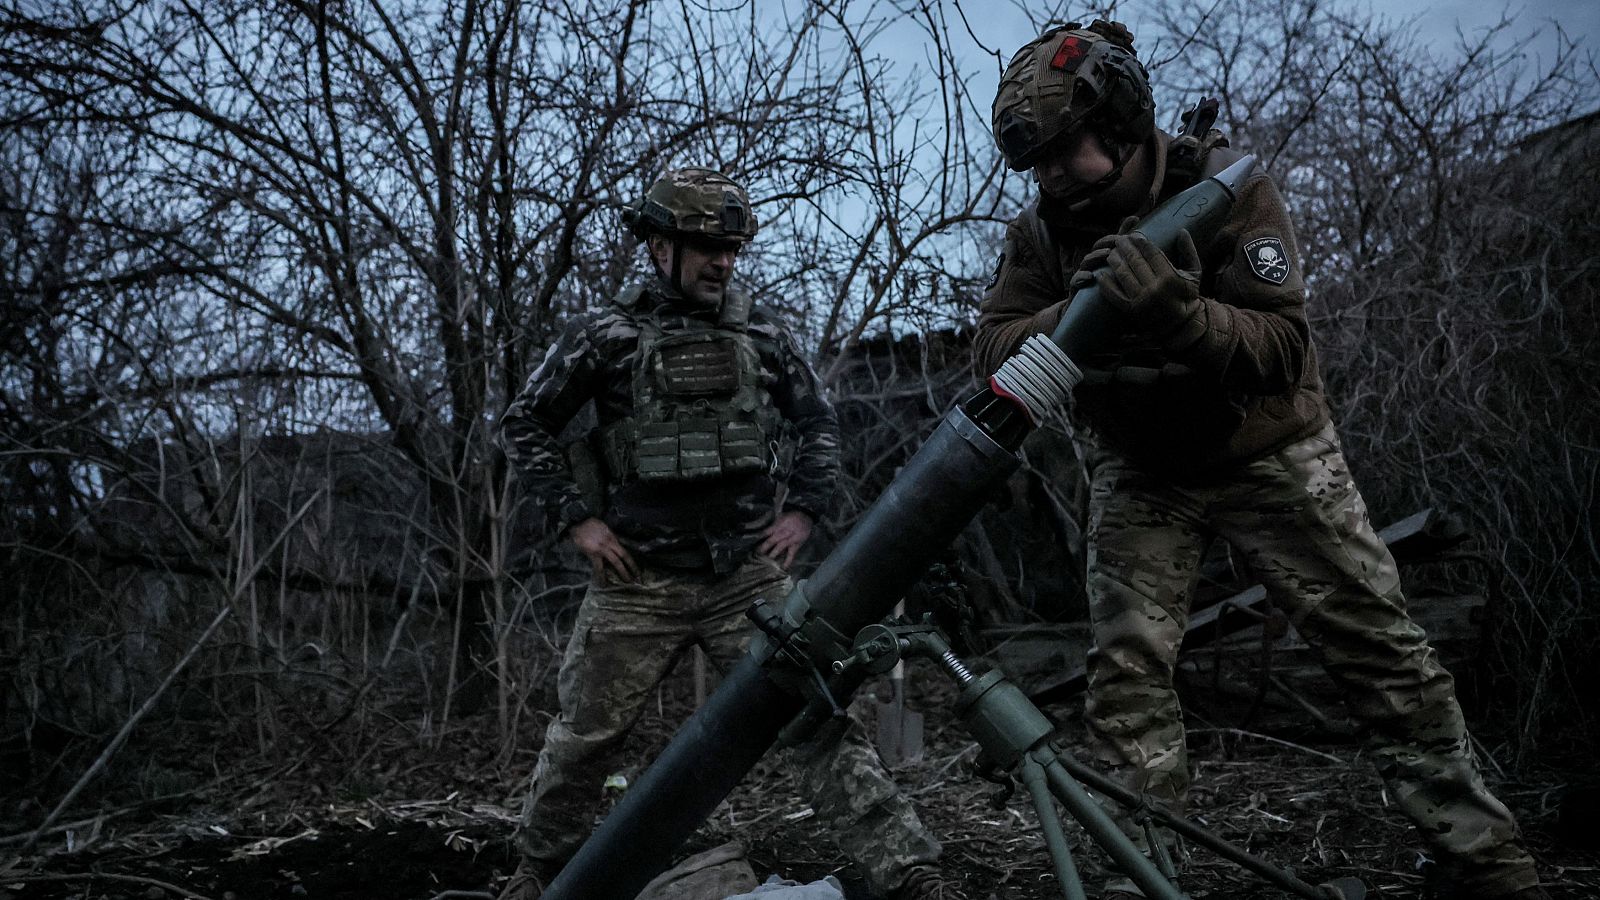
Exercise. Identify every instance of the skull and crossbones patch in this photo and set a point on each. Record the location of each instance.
(1267, 259)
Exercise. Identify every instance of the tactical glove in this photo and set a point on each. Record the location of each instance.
(1159, 295)
(1095, 259)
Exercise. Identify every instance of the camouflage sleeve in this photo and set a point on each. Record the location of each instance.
(1022, 298)
(532, 424)
(798, 395)
(1250, 329)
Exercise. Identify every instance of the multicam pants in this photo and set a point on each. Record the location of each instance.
(1298, 522)
(626, 639)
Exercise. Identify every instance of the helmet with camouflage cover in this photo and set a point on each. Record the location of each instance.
(1068, 77)
(693, 203)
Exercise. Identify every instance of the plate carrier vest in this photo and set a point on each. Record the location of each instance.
(700, 410)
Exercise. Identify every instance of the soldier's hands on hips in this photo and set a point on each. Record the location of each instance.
(1158, 293)
(610, 559)
(785, 536)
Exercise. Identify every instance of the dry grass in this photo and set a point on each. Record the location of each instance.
(404, 807)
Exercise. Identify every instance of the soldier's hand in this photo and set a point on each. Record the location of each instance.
(599, 543)
(1095, 259)
(1156, 292)
(785, 536)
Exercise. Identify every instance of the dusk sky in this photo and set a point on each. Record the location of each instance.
(1436, 21)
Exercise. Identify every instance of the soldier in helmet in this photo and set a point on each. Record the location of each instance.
(1207, 419)
(704, 406)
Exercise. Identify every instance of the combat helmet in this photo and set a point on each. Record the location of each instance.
(693, 203)
(1068, 77)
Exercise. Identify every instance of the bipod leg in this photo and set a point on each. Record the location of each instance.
(1055, 839)
(1015, 734)
(1128, 799)
(1104, 831)
(1158, 851)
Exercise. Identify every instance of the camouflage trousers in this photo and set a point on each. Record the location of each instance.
(626, 639)
(1297, 521)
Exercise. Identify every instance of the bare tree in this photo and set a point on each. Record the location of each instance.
(260, 254)
(262, 221)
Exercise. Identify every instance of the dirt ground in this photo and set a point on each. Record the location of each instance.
(403, 821)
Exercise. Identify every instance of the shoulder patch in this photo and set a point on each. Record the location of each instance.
(999, 263)
(1267, 259)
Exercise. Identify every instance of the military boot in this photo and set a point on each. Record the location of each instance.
(1465, 881)
(926, 882)
(529, 880)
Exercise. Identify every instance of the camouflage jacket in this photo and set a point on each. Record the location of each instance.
(682, 525)
(1249, 386)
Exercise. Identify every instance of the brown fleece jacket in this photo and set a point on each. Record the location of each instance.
(1246, 387)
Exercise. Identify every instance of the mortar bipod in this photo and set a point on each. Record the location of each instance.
(1015, 739)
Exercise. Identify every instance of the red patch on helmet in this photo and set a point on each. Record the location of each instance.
(1071, 50)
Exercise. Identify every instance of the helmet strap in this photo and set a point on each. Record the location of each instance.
(1122, 154)
(676, 276)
